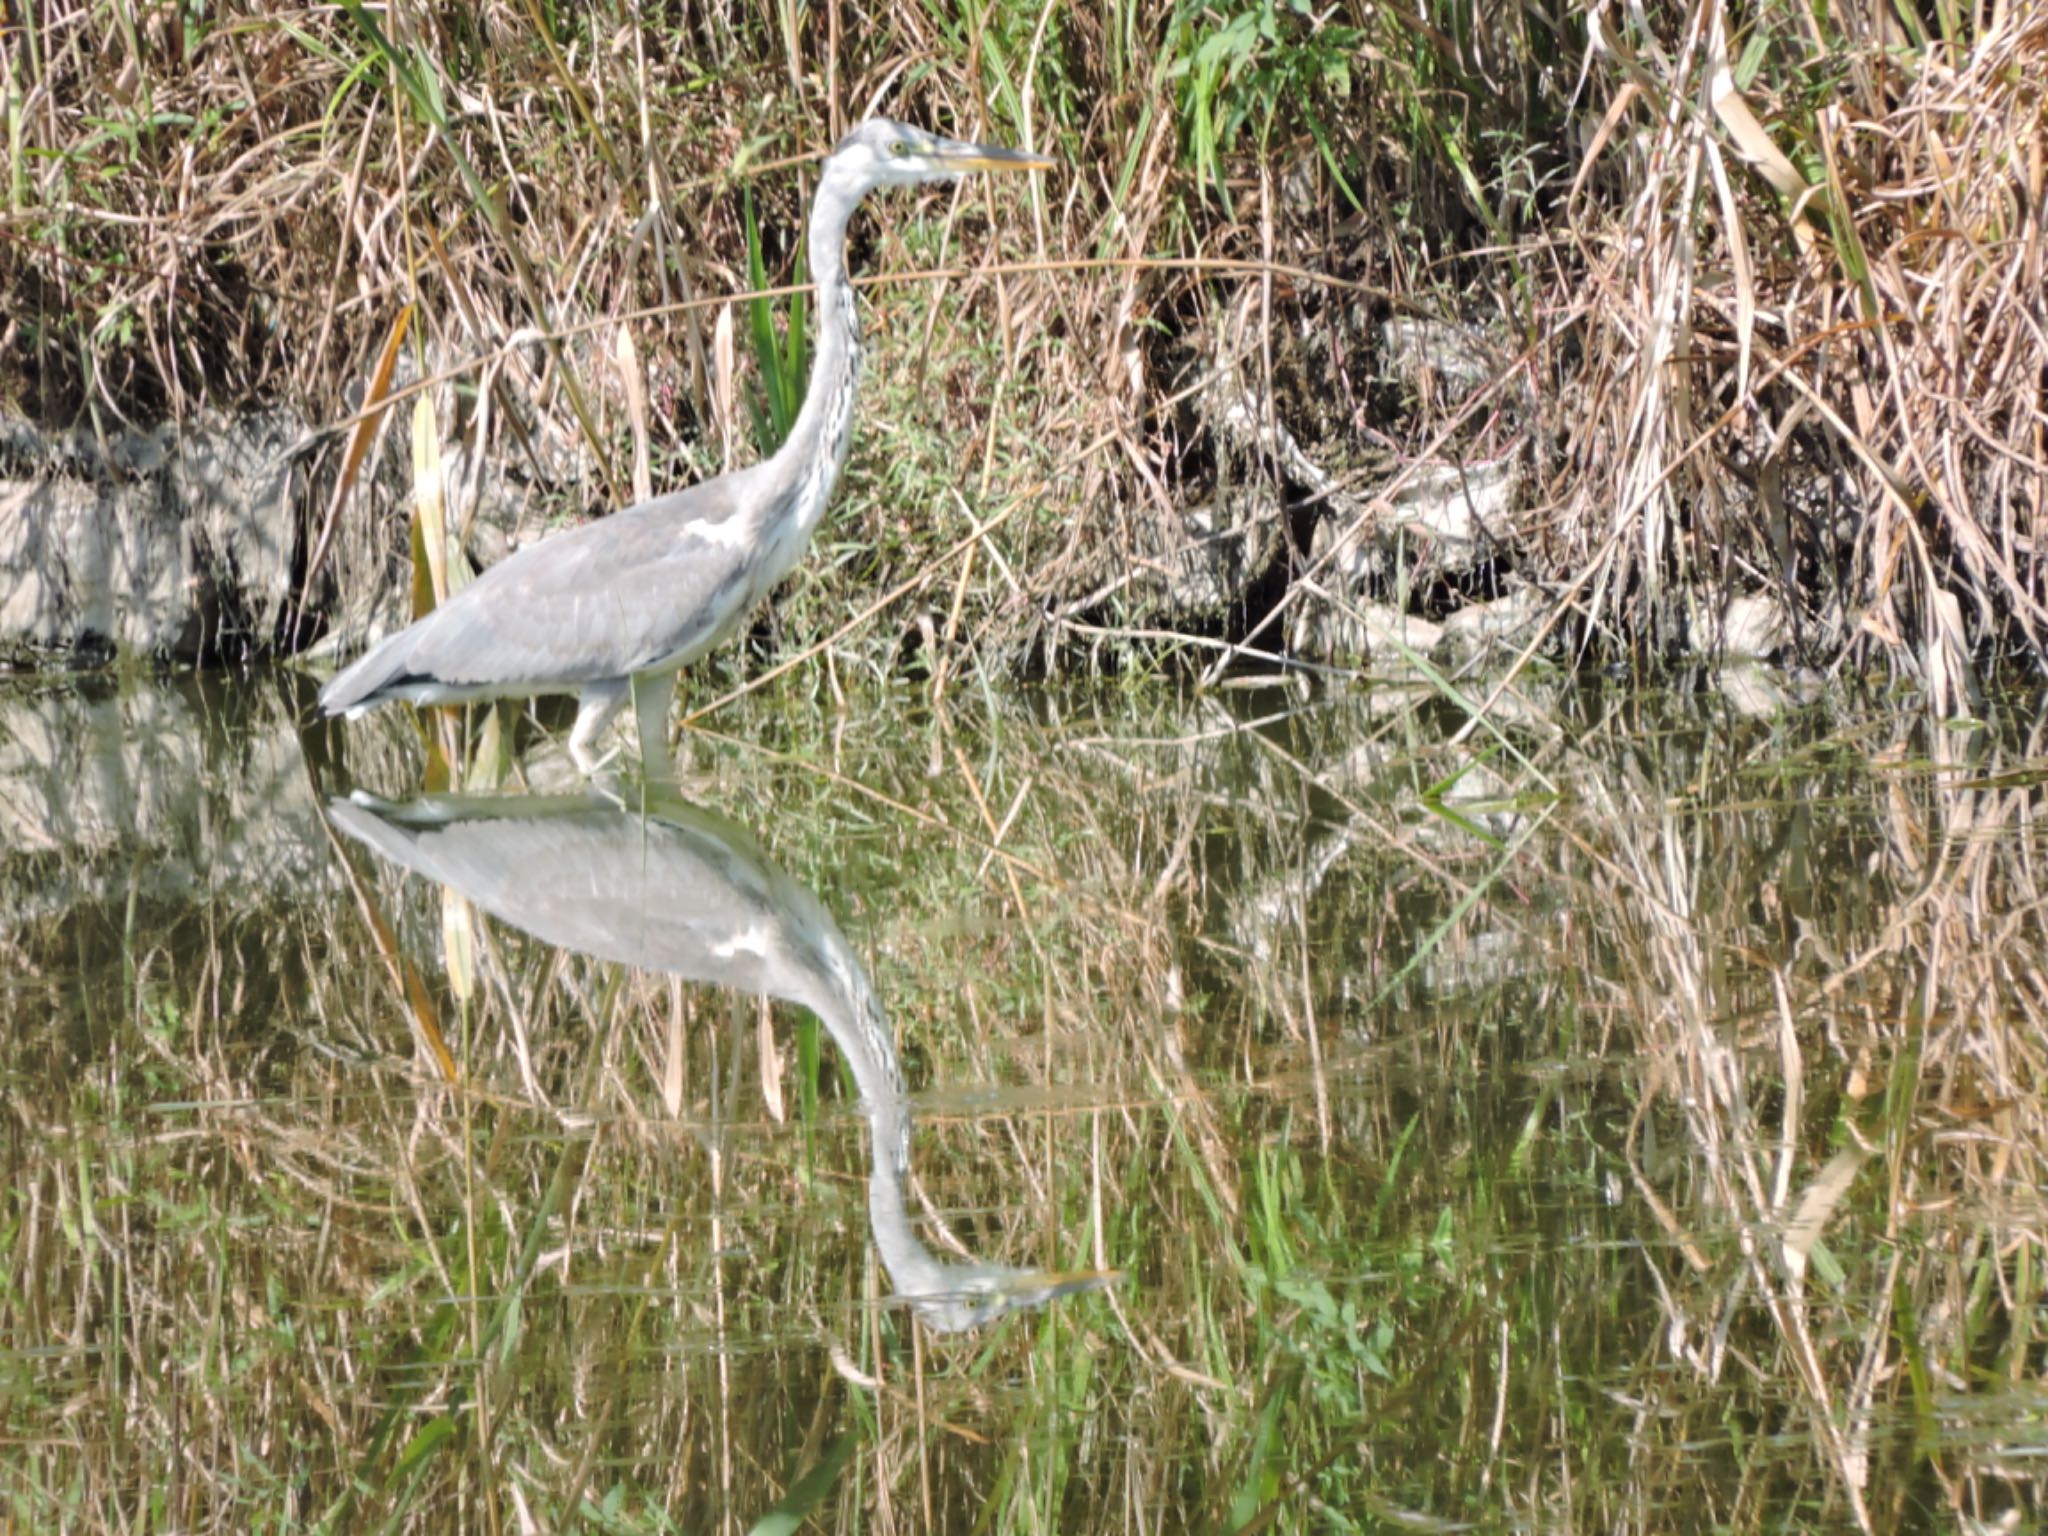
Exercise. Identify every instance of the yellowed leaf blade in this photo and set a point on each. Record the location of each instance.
(373, 398)
(1816, 1205)
(458, 943)
(1617, 110)
(672, 1066)
(428, 507)
(1738, 259)
(419, 1003)
(491, 763)
(358, 446)
(1751, 137)
(627, 357)
(771, 1064)
(723, 367)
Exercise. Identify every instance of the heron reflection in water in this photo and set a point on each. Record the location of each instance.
(617, 606)
(686, 891)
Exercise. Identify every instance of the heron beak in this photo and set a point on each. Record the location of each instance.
(1044, 1285)
(958, 155)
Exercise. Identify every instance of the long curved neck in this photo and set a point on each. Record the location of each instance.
(854, 1018)
(810, 458)
(836, 988)
(858, 1026)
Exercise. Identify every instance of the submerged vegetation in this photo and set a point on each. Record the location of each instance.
(1679, 329)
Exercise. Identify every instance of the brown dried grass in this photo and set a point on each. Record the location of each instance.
(1825, 384)
(1783, 339)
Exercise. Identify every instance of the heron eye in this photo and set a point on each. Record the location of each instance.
(899, 148)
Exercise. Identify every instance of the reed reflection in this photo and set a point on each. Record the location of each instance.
(677, 888)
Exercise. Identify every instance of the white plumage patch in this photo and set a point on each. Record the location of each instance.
(748, 941)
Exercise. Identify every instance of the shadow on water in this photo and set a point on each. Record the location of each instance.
(1627, 1116)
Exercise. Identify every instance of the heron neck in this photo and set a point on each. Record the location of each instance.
(857, 1024)
(913, 1269)
(855, 1020)
(815, 451)
(836, 988)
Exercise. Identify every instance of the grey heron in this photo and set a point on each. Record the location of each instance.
(682, 889)
(618, 606)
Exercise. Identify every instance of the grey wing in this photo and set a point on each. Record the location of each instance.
(642, 893)
(623, 890)
(658, 582)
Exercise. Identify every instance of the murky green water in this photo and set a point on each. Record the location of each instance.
(1622, 1116)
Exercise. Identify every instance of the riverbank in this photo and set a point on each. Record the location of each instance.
(1335, 329)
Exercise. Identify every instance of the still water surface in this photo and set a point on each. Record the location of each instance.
(1623, 1116)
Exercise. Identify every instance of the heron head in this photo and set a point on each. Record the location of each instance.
(881, 153)
(974, 1294)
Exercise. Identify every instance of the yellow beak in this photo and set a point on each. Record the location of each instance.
(1048, 1284)
(959, 155)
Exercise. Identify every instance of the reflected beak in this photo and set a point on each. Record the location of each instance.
(1050, 1284)
(958, 155)
(997, 1291)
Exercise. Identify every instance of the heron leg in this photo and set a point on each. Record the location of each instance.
(595, 706)
(653, 692)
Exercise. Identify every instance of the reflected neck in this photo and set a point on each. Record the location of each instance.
(854, 1019)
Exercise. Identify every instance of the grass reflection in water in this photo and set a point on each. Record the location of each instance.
(1638, 1130)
